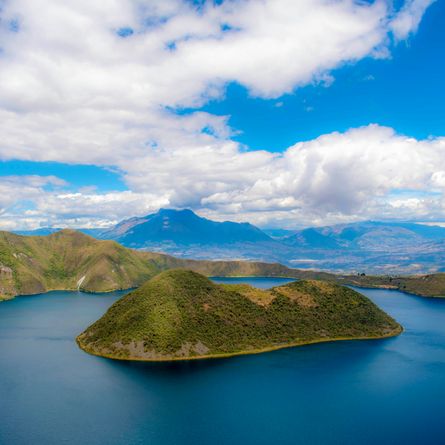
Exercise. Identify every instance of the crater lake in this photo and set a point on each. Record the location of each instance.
(387, 391)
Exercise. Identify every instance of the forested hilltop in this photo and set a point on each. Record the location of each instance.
(181, 314)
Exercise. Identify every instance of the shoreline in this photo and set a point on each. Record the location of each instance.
(73, 290)
(397, 289)
(382, 287)
(341, 282)
(393, 333)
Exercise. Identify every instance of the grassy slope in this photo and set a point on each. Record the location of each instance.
(432, 285)
(60, 260)
(180, 314)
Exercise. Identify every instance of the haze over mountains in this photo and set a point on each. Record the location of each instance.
(370, 247)
(377, 247)
(368, 235)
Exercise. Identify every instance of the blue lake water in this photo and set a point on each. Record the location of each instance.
(261, 282)
(360, 392)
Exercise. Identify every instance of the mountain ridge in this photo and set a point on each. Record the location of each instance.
(182, 227)
(360, 235)
(372, 247)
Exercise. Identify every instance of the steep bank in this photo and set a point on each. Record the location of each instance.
(67, 260)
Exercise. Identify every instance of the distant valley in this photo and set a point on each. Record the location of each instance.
(363, 247)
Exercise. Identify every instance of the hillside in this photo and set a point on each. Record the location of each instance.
(432, 285)
(180, 314)
(70, 260)
(181, 227)
(67, 260)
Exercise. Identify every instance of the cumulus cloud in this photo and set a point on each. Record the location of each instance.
(20, 193)
(349, 174)
(72, 89)
(25, 205)
(363, 173)
(94, 83)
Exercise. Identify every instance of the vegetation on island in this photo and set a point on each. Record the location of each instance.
(180, 314)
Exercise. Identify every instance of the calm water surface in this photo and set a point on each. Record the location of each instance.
(360, 392)
(261, 282)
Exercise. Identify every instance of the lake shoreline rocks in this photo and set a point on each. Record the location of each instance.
(84, 348)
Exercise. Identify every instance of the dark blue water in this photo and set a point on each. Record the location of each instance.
(360, 392)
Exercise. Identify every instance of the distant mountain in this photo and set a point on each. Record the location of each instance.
(368, 235)
(182, 227)
(278, 233)
(312, 238)
(370, 247)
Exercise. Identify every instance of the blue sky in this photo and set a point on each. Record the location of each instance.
(76, 176)
(405, 92)
(201, 105)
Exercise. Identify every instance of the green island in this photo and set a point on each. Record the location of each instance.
(71, 260)
(182, 315)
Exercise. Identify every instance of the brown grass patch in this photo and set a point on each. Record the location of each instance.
(302, 298)
(258, 296)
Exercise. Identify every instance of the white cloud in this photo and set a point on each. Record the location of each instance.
(15, 189)
(408, 19)
(72, 90)
(368, 172)
(438, 179)
(118, 205)
(25, 204)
